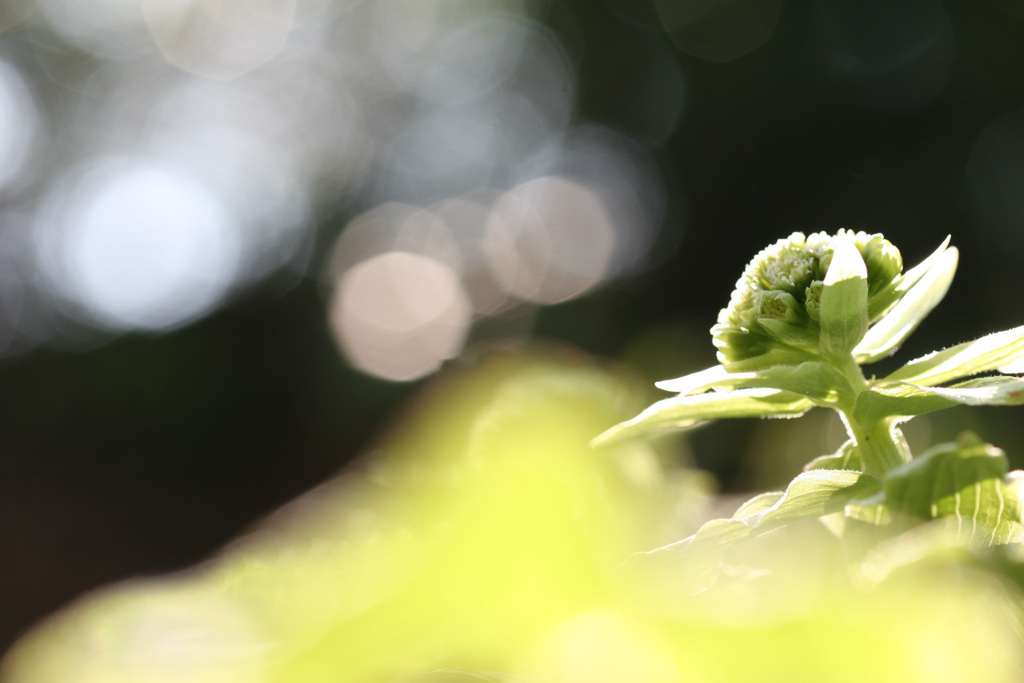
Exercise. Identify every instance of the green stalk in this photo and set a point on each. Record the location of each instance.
(881, 448)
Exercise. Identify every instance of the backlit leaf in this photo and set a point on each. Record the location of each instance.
(904, 400)
(991, 352)
(966, 482)
(684, 412)
(692, 565)
(815, 380)
(697, 382)
(846, 458)
(889, 332)
(844, 301)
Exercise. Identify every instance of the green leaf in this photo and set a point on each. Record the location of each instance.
(820, 382)
(684, 412)
(967, 482)
(991, 352)
(846, 458)
(697, 382)
(817, 381)
(691, 565)
(803, 336)
(883, 300)
(903, 400)
(778, 354)
(930, 286)
(843, 314)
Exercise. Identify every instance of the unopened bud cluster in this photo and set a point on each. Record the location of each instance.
(773, 314)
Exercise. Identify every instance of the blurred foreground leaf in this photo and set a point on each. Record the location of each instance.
(482, 536)
(692, 565)
(483, 519)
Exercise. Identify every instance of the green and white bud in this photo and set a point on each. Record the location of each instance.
(774, 313)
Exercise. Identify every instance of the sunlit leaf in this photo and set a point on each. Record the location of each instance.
(872, 510)
(991, 352)
(815, 380)
(889, 332)
(846, 458)
(904, 400)
(696, 382)
(684, 412)
(819, 382)
(967, 482)
(844, 301)
(885, 299)
(691, 565)
(781, 355)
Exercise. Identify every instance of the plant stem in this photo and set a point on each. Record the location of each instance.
(848, 366)
(880, 448)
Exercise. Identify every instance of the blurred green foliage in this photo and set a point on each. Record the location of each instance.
(481, 542)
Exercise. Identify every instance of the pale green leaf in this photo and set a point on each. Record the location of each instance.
(815, 380)
(904, 400)
(872, 510)
(884, 300)
(917, 273)
(691, 565)
(697, 382)
(780, 354)
(991, 352)
(758, 504)
(889, 332)
(846, 458)
(966, 482)
(802, 335)
(843, 314)
(684, 412)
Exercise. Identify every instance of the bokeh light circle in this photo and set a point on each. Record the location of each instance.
(136, 246)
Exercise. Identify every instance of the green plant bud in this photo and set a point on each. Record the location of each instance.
(812, 300)
(779, 305)
(884, 262)
(783, 283)
(738, 344)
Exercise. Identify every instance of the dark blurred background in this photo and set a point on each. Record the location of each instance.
(237, 235)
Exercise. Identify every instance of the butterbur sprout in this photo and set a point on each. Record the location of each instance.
(807, 313)
(774, 313)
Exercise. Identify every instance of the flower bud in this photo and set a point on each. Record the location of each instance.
(884, 262)
(812, 299)
(774, 312)
(780, 305)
